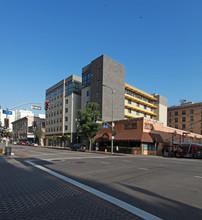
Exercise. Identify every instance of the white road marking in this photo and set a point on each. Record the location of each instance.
(198, 177)
(104, 162)
(113, 200)
(143, 169)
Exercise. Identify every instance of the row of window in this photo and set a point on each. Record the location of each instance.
(54, 129)
(138, 113)
(72, 87)
(138, 105)
(184, 112)
(53, 94)
(191, 118)
(134, 94)
(58, 112)
(184, 126)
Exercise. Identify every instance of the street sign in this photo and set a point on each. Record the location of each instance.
(7, 112)
(105, 126)
(36, 107)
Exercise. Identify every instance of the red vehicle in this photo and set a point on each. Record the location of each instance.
(191, 150)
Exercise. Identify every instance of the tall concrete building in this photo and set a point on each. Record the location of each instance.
(103, 82)
(104, 71)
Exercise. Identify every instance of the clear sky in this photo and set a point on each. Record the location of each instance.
(44, 41)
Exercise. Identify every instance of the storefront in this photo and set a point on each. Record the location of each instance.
(141, 136)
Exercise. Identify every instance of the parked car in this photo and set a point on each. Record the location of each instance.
(78, 147)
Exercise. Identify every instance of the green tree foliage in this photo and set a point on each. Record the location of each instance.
(39, 134)
(52, 139)
(86, 123)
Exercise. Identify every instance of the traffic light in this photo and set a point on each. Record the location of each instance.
(46, 105)
(6, 122)
(5, 134)
(95, 117)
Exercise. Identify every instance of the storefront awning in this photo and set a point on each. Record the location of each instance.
(126, 136)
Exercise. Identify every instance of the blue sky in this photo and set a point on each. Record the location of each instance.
(44, 41)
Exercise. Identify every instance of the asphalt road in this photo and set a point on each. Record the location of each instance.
(169, 188)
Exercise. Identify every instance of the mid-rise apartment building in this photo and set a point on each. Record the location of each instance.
(64, 100)
(103, 81)
(187, 116)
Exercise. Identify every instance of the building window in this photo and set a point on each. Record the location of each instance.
(176, 126)
(183, 112)
(66, 101)
(138, 105)
(145, 107)
(66, 118)
(183, 119)
(170, 114)
(99, 71)
(66, 127)
(98, 94)
(176, 112)
(191, 118)
(98, 83)
(88, 93)
(66, 110)
(183, 126)
(191, 111)
(129, 110)
(129, 101)
(86, 78)
(137, 113)
(191, 126)
(169, 120)
(176, 119)
(68, 88)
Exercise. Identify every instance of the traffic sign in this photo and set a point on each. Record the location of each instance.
(7, 112)
(36, 107)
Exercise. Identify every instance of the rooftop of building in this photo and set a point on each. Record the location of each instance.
(185, 105)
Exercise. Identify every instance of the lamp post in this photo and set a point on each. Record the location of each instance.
(77, 131)
(112, 139)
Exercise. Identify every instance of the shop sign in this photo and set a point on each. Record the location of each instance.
(130, 126)
(148, 126)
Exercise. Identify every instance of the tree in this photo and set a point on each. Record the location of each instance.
(39, 134)
(64, 138)
(52, 139)
(86, 121)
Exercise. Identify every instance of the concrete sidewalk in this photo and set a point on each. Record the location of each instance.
(29, 193)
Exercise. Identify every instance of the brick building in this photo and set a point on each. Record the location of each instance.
(187, 116)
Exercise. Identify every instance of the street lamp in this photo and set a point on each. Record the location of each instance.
(112, 139)
(77, 130)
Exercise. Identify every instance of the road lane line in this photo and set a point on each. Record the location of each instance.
(104, 162)
(143, 169)
(198, 177)
(113, 200)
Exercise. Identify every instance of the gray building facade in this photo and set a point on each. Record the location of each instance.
(104, 71)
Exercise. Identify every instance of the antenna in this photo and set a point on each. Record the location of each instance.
(182, 101)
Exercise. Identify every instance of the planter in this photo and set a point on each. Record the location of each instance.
(136, 152)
